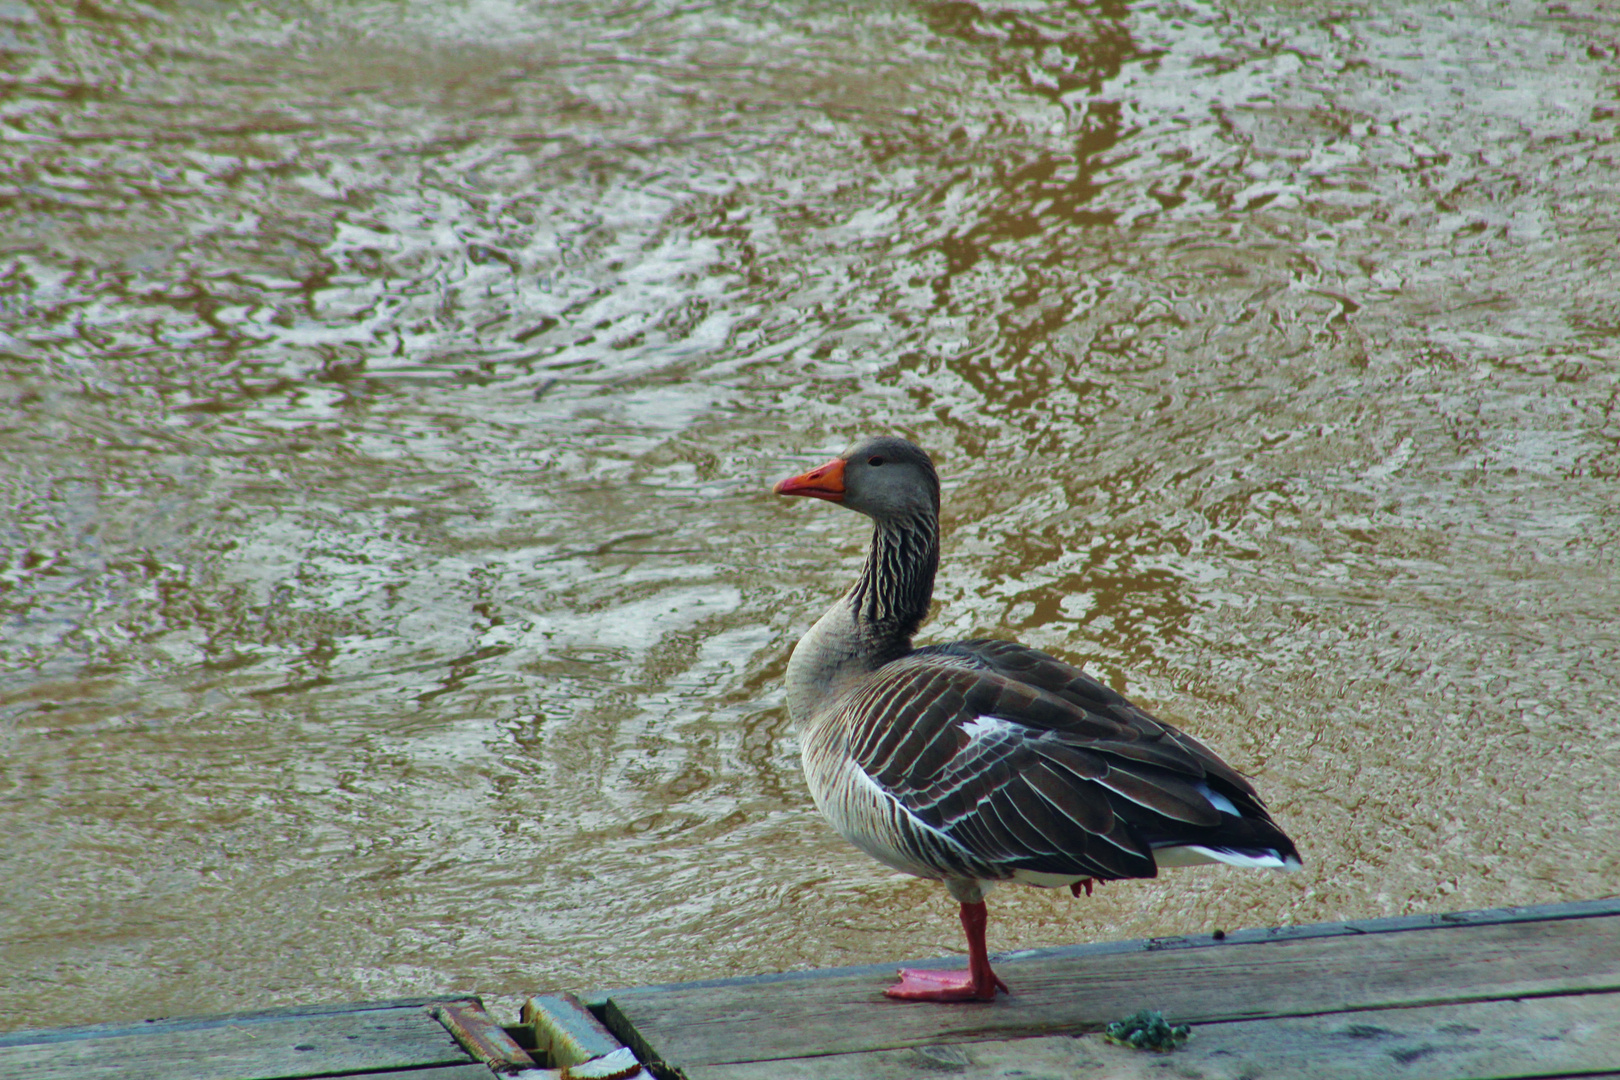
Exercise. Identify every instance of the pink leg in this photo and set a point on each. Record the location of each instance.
(1084, 883)
(977, 983)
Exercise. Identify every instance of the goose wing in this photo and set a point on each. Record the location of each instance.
(1000, 777)
(1154, 741)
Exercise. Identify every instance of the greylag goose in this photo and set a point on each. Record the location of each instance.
(986, 761)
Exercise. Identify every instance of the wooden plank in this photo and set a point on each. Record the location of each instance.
(1541, 1037)
(755, 1022)
(176, 1023)
(250, 1046)
(1395, 924)
(1580, 909)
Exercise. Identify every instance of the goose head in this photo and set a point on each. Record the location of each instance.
(888, 479)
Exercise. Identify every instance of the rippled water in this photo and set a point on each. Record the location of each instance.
(390, 595)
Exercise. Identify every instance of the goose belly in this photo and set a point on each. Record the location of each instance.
(873, 820)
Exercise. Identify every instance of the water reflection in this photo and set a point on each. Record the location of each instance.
(391, 601)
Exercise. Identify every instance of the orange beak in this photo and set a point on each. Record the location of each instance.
(822, 482)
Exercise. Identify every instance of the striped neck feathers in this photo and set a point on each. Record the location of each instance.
(872, 624)
(890, 599)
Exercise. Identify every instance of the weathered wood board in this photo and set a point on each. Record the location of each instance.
(1540, 1037)
(1247, 979)
(281, 1043)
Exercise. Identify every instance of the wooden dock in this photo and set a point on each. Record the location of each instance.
(1508, 992)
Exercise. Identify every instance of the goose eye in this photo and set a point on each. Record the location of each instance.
(875, 460)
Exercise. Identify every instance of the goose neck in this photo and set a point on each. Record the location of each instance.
(891, 597)
(872, 623)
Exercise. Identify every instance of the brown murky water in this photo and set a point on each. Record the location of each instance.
(390, 594)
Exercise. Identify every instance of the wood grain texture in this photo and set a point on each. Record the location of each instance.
(242, 1047)
(1540, 1037)
(767, 1021)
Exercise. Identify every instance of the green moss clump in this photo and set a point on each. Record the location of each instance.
(1147, 1030)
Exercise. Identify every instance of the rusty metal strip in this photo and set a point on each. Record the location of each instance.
(482, 1037)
